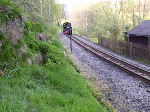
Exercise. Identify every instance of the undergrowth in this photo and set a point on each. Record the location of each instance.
(8, 11)
(53, 86)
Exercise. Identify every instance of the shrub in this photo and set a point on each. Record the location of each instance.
(33, 26)
(37, 27)
(10, 13)
(7, 51)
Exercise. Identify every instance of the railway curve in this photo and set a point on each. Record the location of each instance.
(124, 65)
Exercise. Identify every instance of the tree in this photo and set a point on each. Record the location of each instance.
(45, 11)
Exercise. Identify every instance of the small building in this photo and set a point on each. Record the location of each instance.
(140, 34)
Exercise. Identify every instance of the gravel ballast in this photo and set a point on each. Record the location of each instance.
(125, 92)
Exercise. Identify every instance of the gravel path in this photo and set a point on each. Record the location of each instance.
(127, 93)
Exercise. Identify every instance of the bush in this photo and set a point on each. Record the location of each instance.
(32, 42)
(95, 39)
(9, 14)
(7, 51)
(33, 27)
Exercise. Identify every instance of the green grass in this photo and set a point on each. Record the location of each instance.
(46, 88)
(8, 14)
(53, 86)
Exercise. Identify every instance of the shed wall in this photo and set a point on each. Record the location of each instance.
(139, 39)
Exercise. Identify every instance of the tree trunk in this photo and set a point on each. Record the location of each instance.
(139, 11)
(133, 19)
(144, 10)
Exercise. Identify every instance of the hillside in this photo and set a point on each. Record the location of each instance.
(35, 74)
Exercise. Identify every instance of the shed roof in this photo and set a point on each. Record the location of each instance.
(143, 29)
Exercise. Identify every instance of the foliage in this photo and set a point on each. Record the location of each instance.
(105, 36)
(7, 12)
(43, 11)
(54, 29)
(81, 31)
(94, 39)
(33, 26)
(58, 44)
(5, 3)
(50, 51)
(7, 51)
(110, 17)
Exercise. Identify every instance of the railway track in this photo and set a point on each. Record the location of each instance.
(124, 65)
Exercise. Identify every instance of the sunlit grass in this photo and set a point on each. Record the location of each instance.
(46, 89)
(95, 39)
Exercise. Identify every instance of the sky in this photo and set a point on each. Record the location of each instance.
(72, 2)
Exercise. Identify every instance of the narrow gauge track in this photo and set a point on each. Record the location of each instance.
(126, 66)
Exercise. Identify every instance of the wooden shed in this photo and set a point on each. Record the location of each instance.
(140, 34)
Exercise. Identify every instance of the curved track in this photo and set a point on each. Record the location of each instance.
(126, 66)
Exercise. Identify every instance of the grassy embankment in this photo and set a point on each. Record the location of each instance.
(53, 86)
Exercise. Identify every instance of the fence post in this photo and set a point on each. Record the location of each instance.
(108, 43)
(149, 47)
(99, 39)
(130, 49)
(117, 47)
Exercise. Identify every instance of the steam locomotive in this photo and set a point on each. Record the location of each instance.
(67, 28)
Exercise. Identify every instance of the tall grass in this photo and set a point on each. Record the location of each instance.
(46, 88)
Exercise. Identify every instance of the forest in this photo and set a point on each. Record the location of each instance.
(110, 18)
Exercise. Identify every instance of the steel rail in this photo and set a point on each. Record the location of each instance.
(126, 66)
